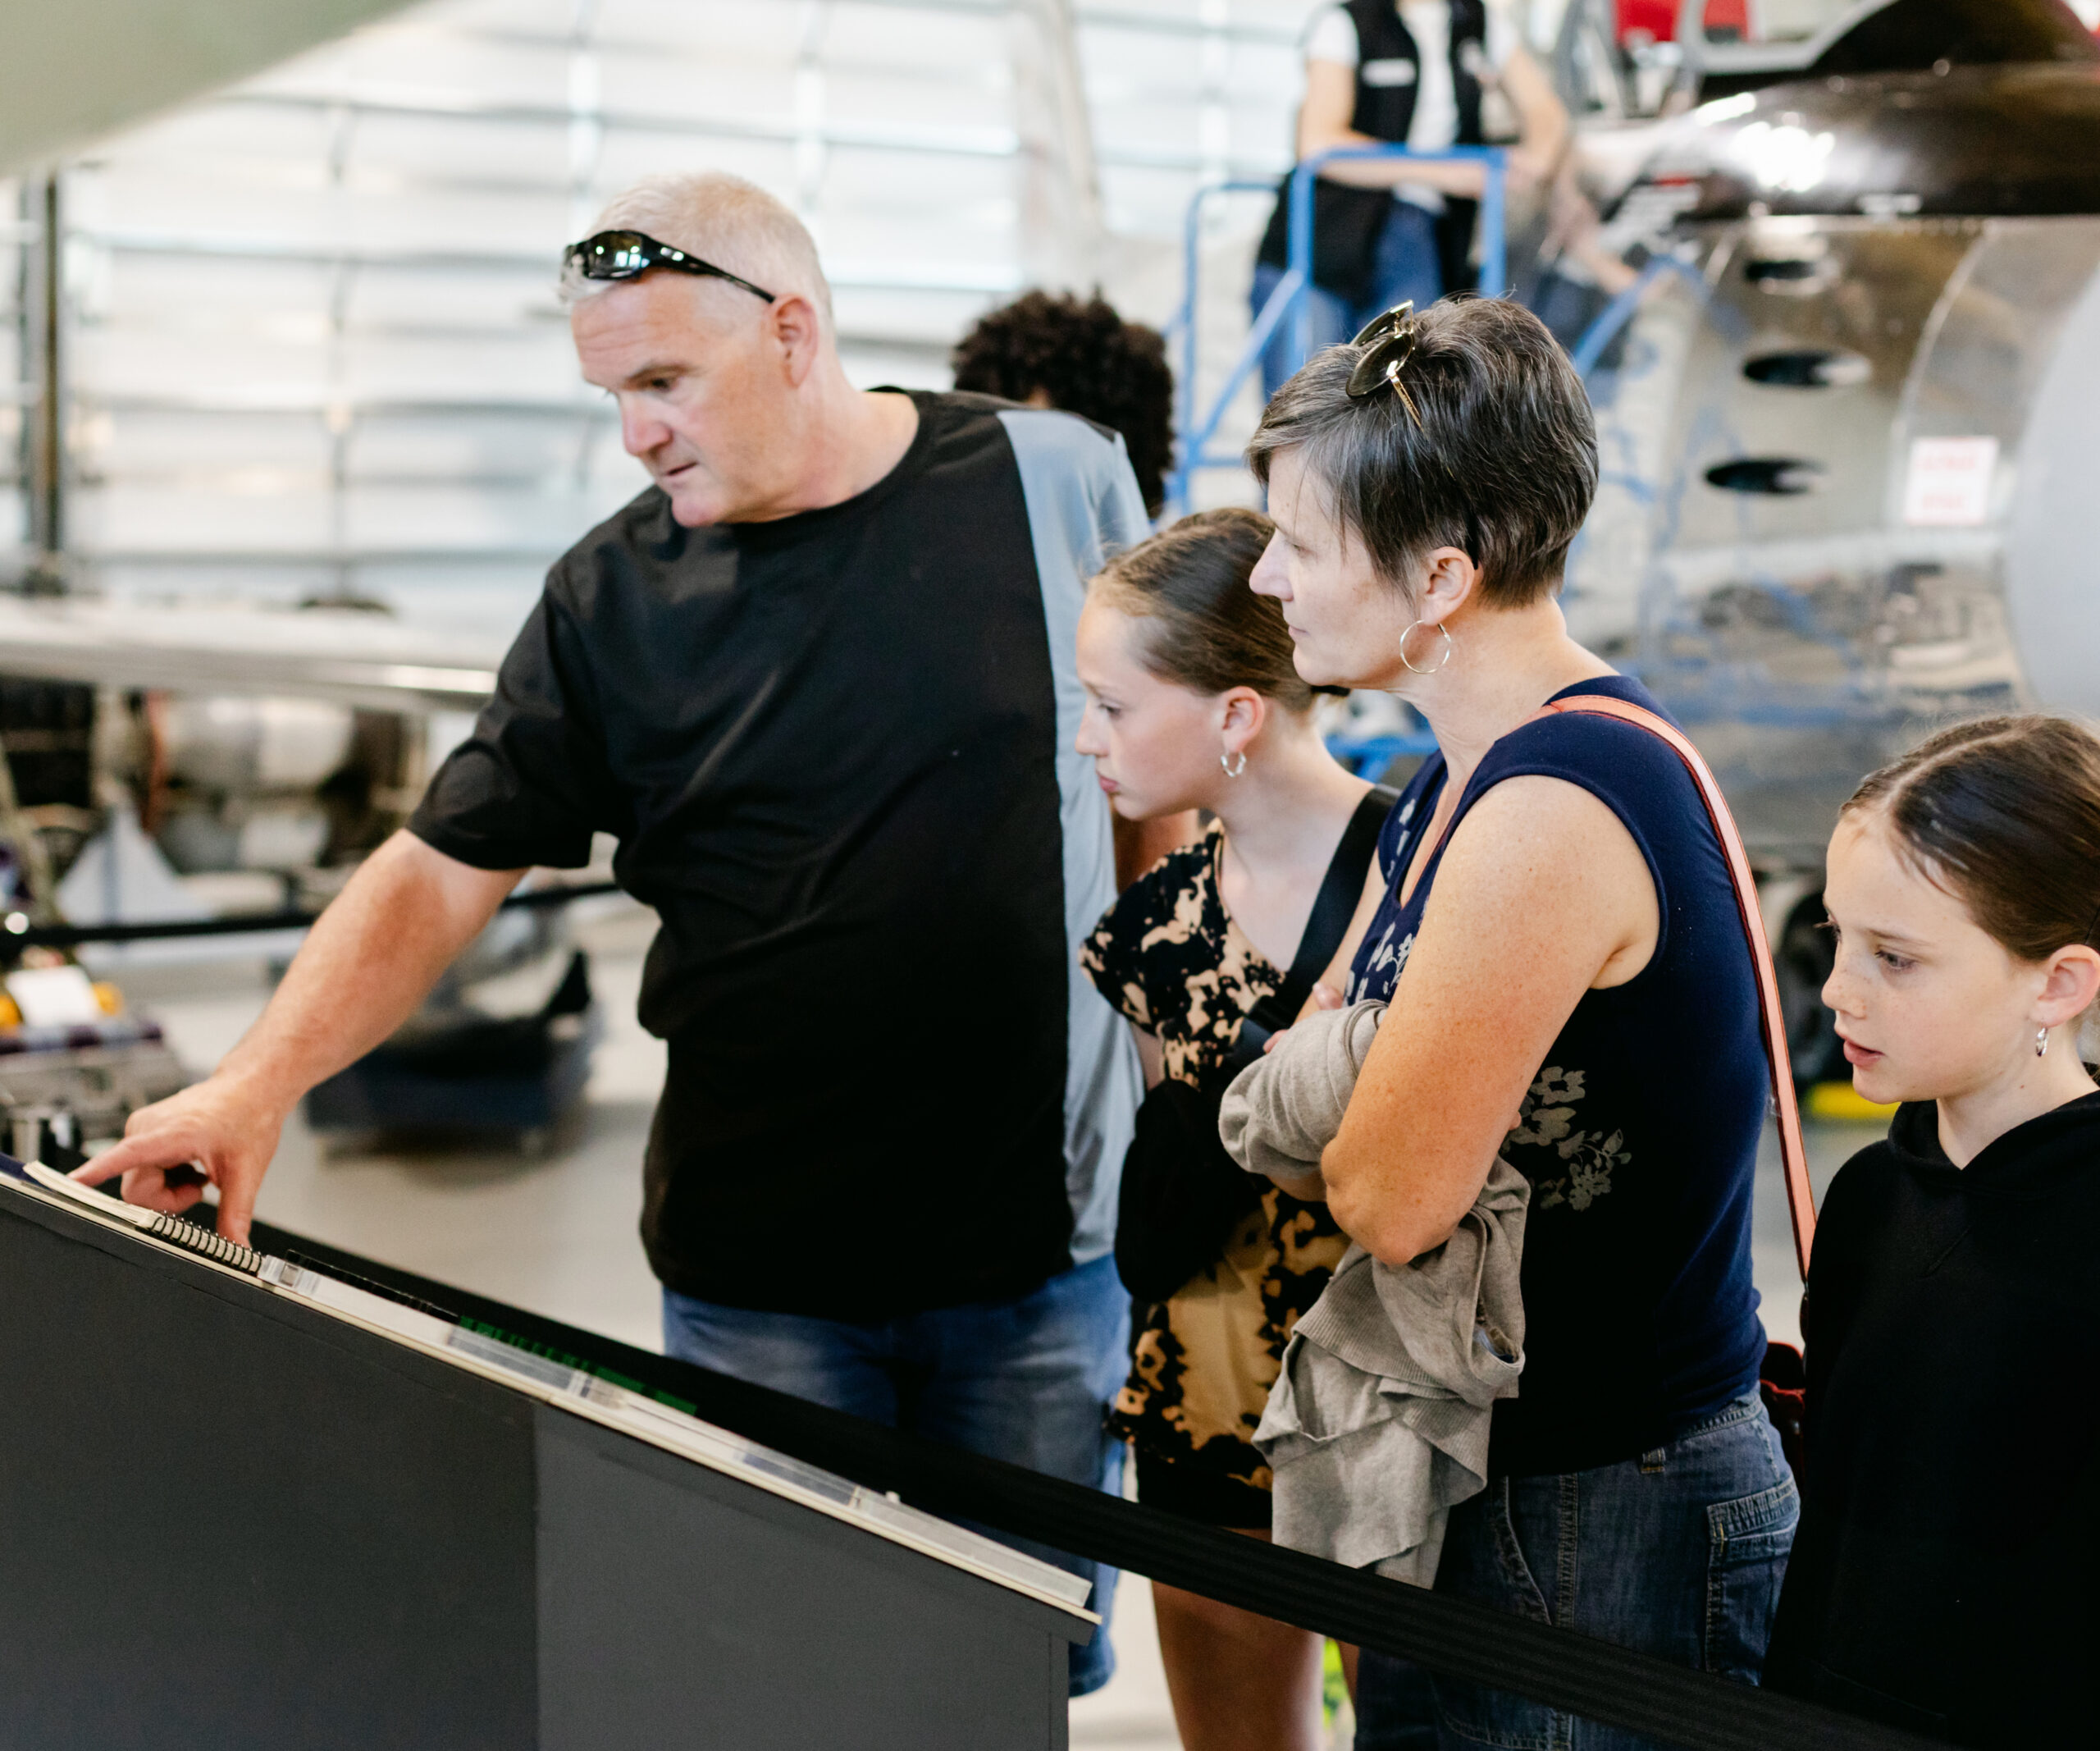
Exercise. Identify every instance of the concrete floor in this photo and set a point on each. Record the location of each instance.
(557, 1232)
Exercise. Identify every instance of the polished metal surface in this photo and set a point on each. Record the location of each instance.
(1970, 141)
(1849, 37)
(1844, 494)
(362, 659)
(1761, 553)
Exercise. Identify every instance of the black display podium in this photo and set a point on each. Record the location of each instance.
(235, 1515)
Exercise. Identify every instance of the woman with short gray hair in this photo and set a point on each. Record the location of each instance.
(1571, 987)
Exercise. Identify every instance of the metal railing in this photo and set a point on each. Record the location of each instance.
(1196, 428)
(1614, 316)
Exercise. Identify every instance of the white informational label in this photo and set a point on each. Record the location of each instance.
(1950, 483)
(54, 997)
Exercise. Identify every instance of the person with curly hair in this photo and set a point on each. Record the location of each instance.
(1052, 350)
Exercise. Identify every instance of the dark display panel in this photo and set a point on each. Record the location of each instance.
(230, 1520)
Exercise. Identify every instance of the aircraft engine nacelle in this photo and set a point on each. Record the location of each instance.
(1851, 459)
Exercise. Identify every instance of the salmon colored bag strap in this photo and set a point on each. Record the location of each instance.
(1800, 1195)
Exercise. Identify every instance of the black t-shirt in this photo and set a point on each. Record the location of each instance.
(1942, 1576)
(836, 752)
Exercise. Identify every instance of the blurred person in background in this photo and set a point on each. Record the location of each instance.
(1580, 273)
(1411, 73)
(1051, 350)
(817, 681)
(1192, 703)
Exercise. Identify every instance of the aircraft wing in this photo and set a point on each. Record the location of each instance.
(357, 659)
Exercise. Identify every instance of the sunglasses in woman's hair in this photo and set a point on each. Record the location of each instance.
(1389, 341)
(627, 255)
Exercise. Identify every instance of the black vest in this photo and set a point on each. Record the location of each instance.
(1348, 222)
(1387, 111)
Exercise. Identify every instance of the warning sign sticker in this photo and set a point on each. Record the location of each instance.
(1950, 482)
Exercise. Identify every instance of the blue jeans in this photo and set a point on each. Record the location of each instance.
(1028, 1381)
(1406, 267)
(1678, 1554)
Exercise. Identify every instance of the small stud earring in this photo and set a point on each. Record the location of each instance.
(2041, 1042)
(1230, 769)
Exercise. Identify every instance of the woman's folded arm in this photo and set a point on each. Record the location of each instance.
(1542, 894)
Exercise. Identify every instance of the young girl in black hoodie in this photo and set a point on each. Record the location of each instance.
(1943, 1575)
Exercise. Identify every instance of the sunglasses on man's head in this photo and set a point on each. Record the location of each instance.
(627, 255)
(1389, 343)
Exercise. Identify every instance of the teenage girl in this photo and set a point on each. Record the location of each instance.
(1192, 703)
(1942, 1578)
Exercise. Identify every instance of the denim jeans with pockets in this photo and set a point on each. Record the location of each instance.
(1678, 1554)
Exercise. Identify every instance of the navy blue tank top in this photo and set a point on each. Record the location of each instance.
(1639, 1131)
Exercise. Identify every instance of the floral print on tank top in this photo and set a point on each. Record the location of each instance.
(1171, 958)
(1637, 1124)
(1546, 1122)
(1566, 1167)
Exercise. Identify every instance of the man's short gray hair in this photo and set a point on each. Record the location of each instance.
(721, 219)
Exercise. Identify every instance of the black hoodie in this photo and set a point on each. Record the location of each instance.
(1946, 1574)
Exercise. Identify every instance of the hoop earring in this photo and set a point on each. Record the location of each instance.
(2041, 1042)
(1230, 769)
(1450, 648)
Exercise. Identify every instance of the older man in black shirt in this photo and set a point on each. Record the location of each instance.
(817, 681)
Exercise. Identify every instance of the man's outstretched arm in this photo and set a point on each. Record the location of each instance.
(371, 958)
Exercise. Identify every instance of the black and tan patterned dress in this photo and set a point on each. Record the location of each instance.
(1170, 957)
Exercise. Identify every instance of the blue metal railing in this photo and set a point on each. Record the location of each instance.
(1183, 327)
(1368, 756)
(1615, 315)
(1194, 428)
